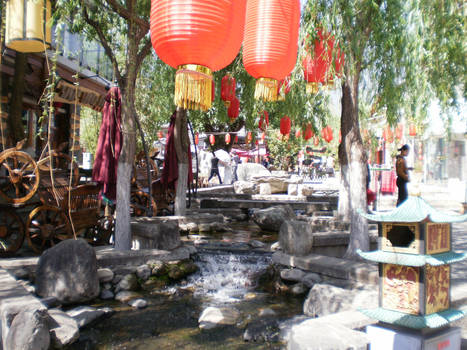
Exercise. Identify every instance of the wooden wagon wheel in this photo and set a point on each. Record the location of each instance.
(139, 202)
(60, 162)
(47, 226)
(11, 232)
(19, 176)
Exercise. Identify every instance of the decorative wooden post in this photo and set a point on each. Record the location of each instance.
(415, 260)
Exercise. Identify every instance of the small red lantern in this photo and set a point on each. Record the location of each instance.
(227, 139)
(263, 136)
(270, 43)
(263, 121)
(285, 125)
(160, 135)
(316, 141)
(316, 65)
(308, 132)
(340, 137)
(234, 109)
(248, 137)
(236, 139)
(196, 138)
(297, 133)
(228, 85)
(399, 131)
(412, 130)
(326, 134)
(212, 139)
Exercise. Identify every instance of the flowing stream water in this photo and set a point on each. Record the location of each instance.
(171, 319)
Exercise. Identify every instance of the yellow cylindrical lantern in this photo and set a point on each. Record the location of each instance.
(28, 26)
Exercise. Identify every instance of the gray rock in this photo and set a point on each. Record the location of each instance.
(312, 335)
(138, 303)
(105, 275)
(245, 187)
(256, 244)
(310, 279)
(106, 294)
(324, 299)
(143, 272)
(126, 296)
(128, 282)
(292, 190)
(63, 328)
(246, 171)
(298, 289)
(84, 315)
(159, 268)
(296, 237)
(271, 219)
(275, 246)
(20, 273)
(212, 317)
(295, 275)
(265, 189)
(107, 286)
(154, 234)
(50, 302)
(262, 330)
(267, 312)
(29, 331)
(68, 271)
(277, 184)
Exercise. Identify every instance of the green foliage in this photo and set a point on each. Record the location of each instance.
(90, 122)
(283, 152)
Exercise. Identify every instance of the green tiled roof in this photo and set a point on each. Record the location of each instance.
(435, 320)
(412, 259)
(414, 209)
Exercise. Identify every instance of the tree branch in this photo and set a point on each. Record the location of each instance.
(103, 40)
(143, 53)
(124, 13)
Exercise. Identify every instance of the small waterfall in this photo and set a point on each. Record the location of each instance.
(227, 277)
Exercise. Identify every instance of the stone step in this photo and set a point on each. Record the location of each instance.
(344, 269)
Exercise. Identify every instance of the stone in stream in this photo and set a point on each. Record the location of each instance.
(298, 289)
(106, 294)
(296, 237)
(128, 282)
(295, 275)
(64, 329)
(138, 303)
(143, 272)
(271, 219)
(266, 329)
(84, 315)
(105, 275)
(68, 271)
(212, 317)
(125, 296)
(29, 331)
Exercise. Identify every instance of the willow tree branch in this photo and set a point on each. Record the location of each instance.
(128, 15)
(146, 50)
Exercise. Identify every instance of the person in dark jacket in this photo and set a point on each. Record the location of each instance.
(215, 168)
(402, 174)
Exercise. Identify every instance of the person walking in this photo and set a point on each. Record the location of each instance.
(215, 168)
(402, 172)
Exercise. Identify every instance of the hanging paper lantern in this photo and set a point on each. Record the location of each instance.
(399, 131)
(236, 139)
(212, 139)
(326, 134)
(263, 121)
(285, 125)
(412, 130)
(297, 133)
(340, 136)
(308, 132)
(234, 109)
(28, 25)
(228, 84)
(227, 139)
(248, 137)
(263, 136)
(196, 139)
(270, 44)
(160, 135)
(316, 141)
(388, 135)
(315, 65)
(196, 37)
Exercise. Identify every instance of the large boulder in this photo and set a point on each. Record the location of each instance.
(324, 299)
(296, 237)
(245, 187)
(29, 331)
(271, 219)
(246, 171)
(154, 233)
(278, 184)
(68, 272)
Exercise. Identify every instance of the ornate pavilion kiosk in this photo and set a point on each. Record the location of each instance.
(415, 260)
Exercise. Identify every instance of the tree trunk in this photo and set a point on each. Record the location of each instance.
(352, 159)
(16, 103)
(182, 143)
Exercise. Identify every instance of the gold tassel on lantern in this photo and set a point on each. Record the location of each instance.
(28, 27)
(193, 87)
(312, 88)
(266, 89)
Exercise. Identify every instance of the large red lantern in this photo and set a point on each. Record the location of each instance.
(412, 130)
(263, 120)
(196, 37)
(212, 139)
(316, 65)
(196, 138)
(285, 125)
(234, 109)
(308, 132)
(270, 44)
(227, 139)
(228, 84)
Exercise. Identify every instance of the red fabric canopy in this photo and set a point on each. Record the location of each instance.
(109, 145)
